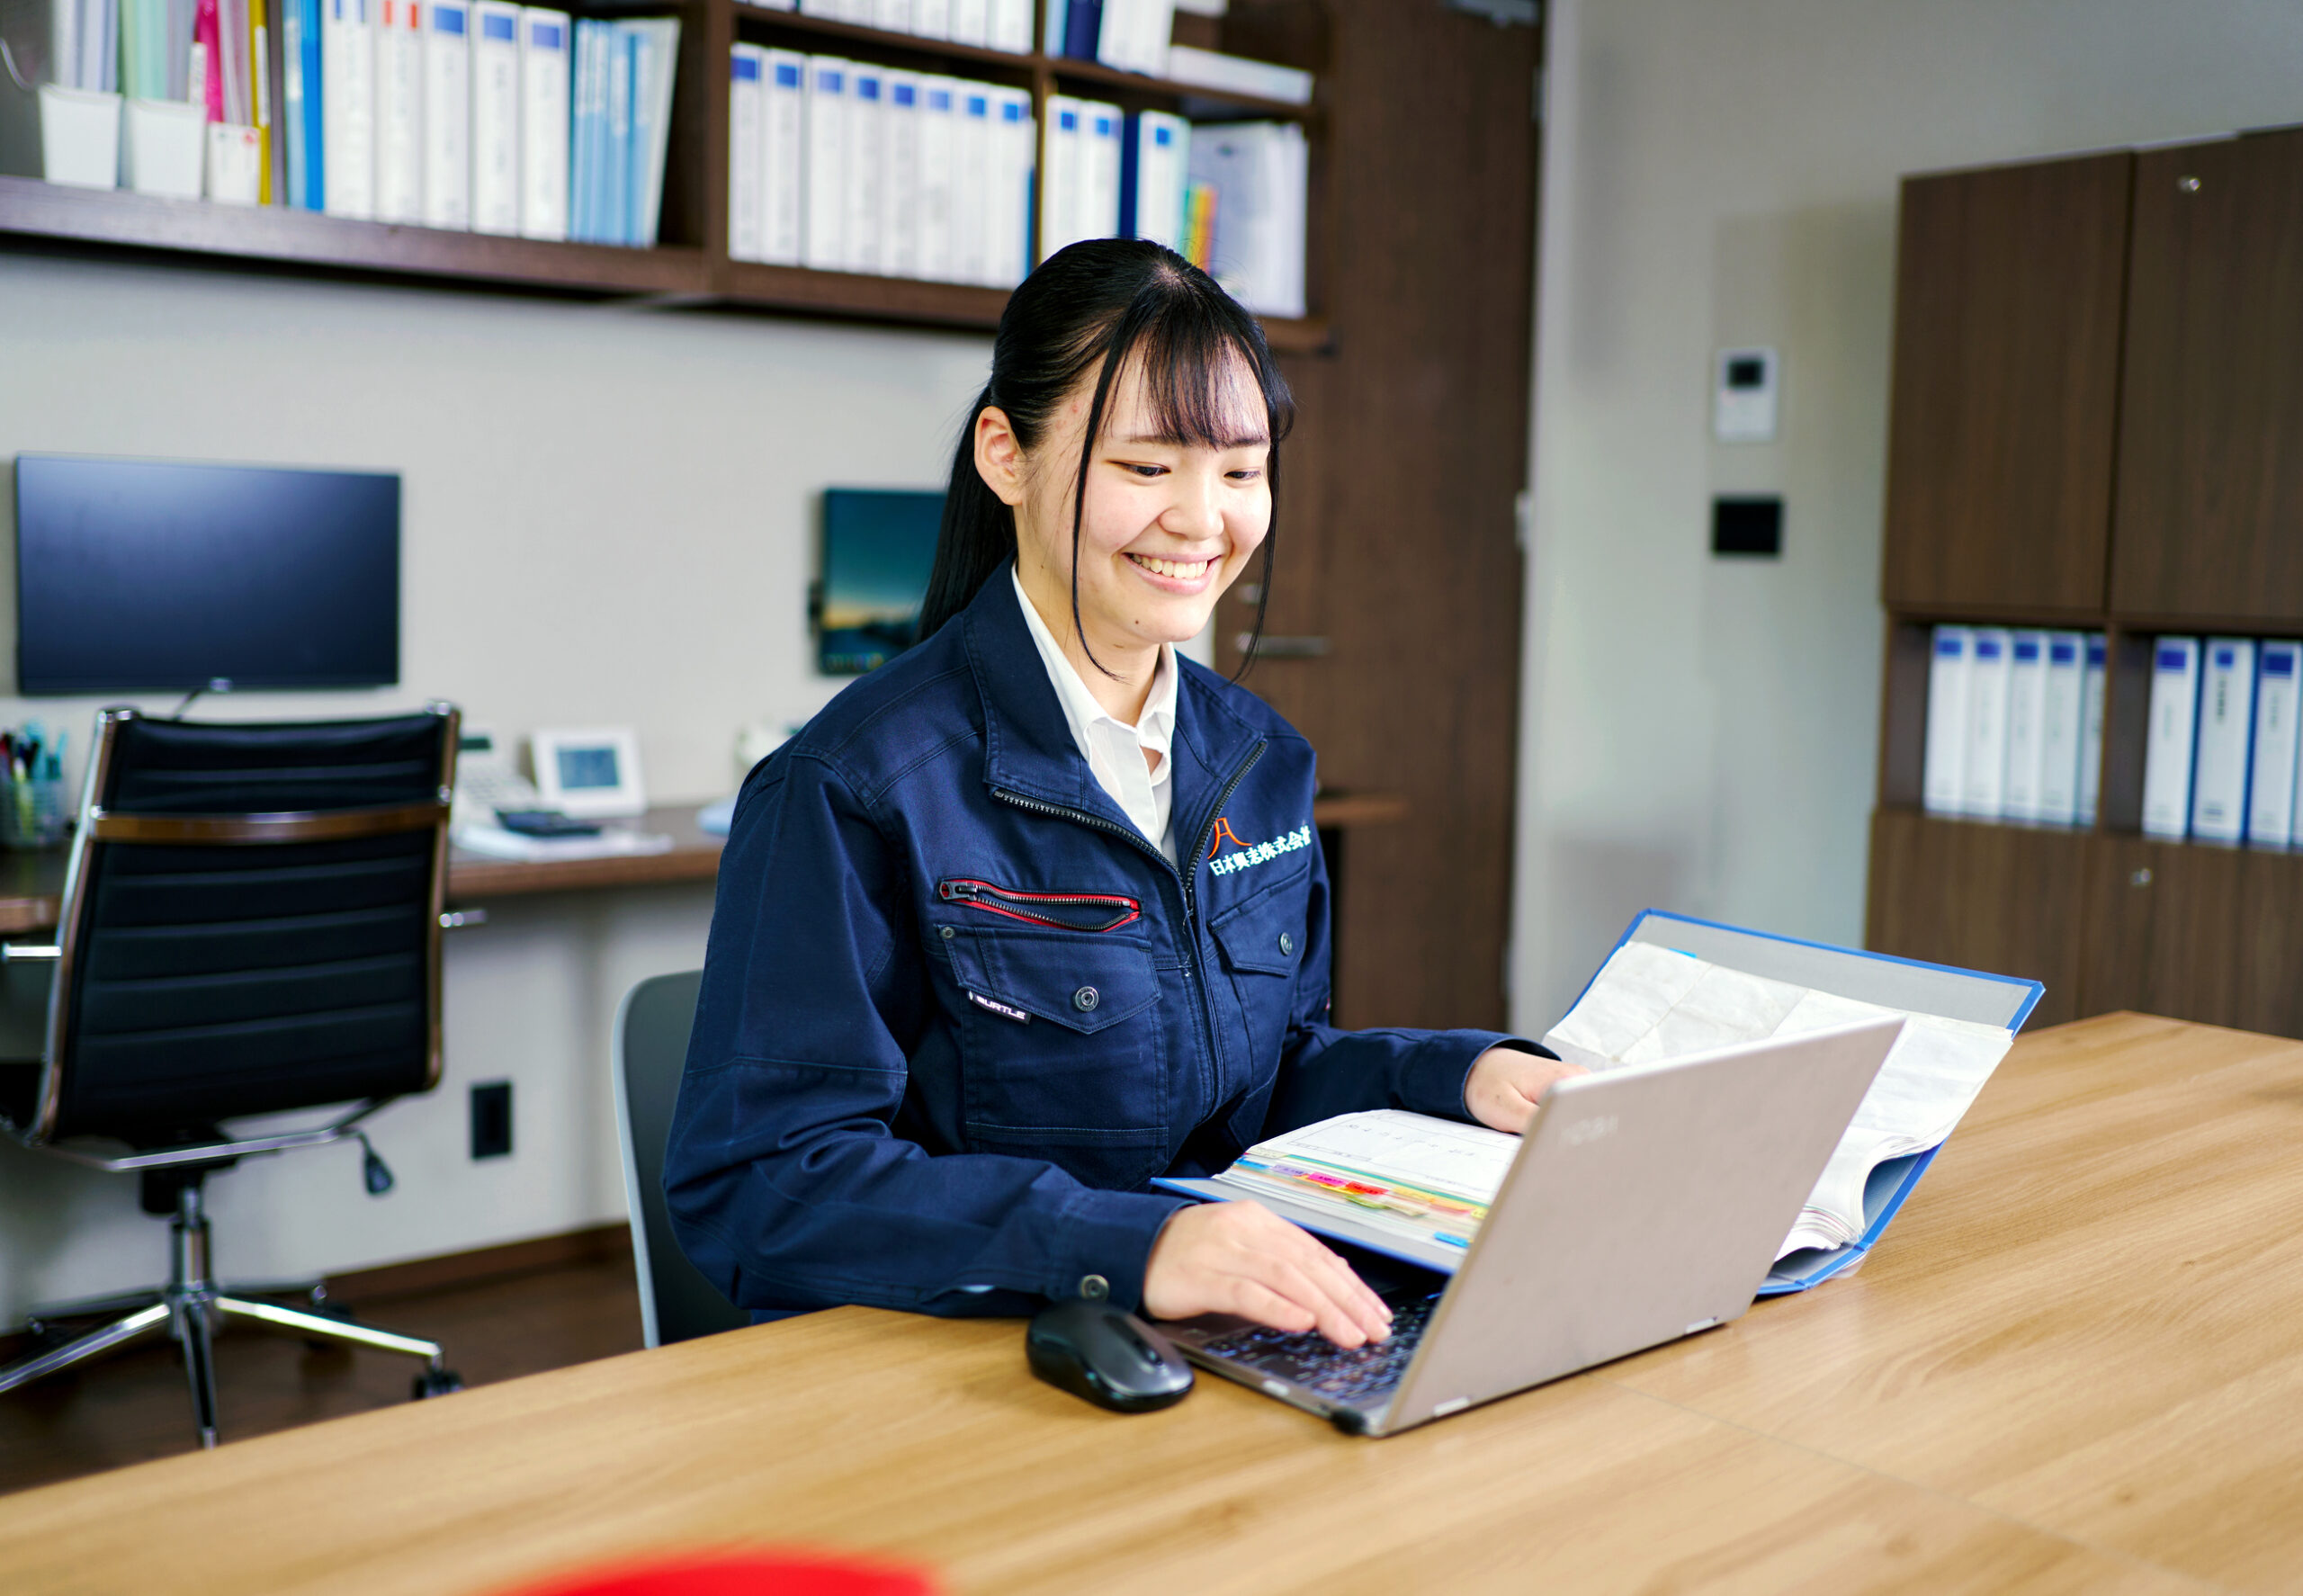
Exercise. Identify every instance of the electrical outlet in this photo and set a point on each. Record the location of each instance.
(491, 1119)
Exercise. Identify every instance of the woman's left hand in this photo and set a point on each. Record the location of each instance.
(1505, 1083)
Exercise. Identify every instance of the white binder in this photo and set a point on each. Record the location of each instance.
(447, 114)
(348, 107)
(1984, 779)
(495, 117)
(1160, 153)
(1011, 26)
(899, 176)
(544, 123)
(399, 111)
(2271, 806)
(2061, 708)
(2168, 744)
(2091, 728)
(1062, 175)
(971, 185)
(1943, 777)
(1015, 147)
(866, 164)
(823, 243)
(938, 97)
(747, 151)
(972, 23)
(2227, 722)
(1102, 130)
(783, 160)
(2026, 692)
(892, 16)
(931, 19)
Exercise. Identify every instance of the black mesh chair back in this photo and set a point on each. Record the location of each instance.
(251, 923)
(677, 1303)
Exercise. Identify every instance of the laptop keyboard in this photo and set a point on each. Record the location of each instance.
(1355, 1374)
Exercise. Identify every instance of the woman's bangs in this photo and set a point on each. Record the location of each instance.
(1192, 365)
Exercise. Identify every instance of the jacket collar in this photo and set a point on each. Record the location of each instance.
(1027, 744)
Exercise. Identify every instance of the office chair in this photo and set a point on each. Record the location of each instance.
(677, 1303)
(250, 924)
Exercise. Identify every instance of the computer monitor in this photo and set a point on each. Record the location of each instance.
(879, 548)
(137, 575)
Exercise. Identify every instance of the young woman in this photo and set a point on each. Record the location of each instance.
(1037, 912)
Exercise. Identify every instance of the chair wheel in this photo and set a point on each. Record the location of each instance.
(435, 1382)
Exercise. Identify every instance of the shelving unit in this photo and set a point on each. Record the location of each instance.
(2098, 425)
(693, 267)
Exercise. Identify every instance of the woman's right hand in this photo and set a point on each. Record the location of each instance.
(1241, 1258)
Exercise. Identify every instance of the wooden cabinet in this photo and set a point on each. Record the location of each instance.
(1999, 897)
(2211, 453)
(2098, 424)
(2008, 287)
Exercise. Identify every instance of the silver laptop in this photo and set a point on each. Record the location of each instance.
(1644, 1205)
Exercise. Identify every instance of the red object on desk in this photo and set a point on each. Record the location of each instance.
(754, 1574)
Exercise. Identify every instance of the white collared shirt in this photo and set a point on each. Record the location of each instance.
(1112, 749)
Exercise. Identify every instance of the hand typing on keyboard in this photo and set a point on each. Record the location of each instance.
(1241, 1258)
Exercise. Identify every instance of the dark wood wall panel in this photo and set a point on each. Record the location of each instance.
(2206, 934)
(2008, 303)
(2004, 899)
(1400, 491)
(2211, 473)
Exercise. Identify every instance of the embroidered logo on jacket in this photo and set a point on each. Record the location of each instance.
(1252, 854)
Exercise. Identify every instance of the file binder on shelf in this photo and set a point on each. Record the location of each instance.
(784, 128)
(2090, 727)
(2061, 708)
(2026, 692)
(867, 161)
(2271, 806)
(900, 178)
(495, 117)
(746, 147)
(399, 111)
(2168, 746)
(1970, 999)
(347, 107)
(447, 113)
(1155, 155)
(1943, 774)
(937, 125)
(824, 238)
(2227, 721)
(1014, 158)
(544, 123)
(972, 163)
(1984, 777)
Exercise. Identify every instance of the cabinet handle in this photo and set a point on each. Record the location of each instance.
(2139, 878)
(2187, 185)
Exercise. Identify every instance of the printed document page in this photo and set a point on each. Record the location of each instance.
(1649, 1004)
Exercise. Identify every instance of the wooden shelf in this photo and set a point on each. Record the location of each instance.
(276, 233)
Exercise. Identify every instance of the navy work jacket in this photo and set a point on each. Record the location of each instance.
(957, 1012)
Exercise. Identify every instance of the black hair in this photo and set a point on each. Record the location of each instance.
(1091, 309)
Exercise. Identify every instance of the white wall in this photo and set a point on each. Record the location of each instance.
(609, 517)
(1700, 734)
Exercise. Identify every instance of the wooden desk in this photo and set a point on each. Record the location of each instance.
(2075, 1365)
(31, 884)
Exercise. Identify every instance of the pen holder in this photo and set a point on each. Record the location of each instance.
(32, 811)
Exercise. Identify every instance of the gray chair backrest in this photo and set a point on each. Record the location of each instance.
(677, 1303)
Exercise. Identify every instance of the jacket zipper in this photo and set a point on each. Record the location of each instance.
(1183, 879)
(1025, 906)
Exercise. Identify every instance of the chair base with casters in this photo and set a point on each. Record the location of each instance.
(192, 1307)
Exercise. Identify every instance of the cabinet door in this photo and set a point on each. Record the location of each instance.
(2003, 899)
(2210, 477)
(2008, 298)
(2206, 934)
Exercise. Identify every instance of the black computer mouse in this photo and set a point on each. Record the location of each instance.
(1107, 1355)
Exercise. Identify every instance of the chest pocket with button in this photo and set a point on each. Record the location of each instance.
(1262, 943)
(1062, 1053)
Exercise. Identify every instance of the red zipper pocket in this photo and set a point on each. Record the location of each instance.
(1065, 911)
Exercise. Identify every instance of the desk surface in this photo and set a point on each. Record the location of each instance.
(2074, 1366)
(32, 884)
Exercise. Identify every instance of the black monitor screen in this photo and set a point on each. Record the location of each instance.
(879, 548)
(147, 576)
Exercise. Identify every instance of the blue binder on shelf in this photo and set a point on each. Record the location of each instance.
(1883, 979)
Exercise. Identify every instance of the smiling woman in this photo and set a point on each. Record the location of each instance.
(986, 957)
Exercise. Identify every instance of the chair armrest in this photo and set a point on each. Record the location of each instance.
(26, 953)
